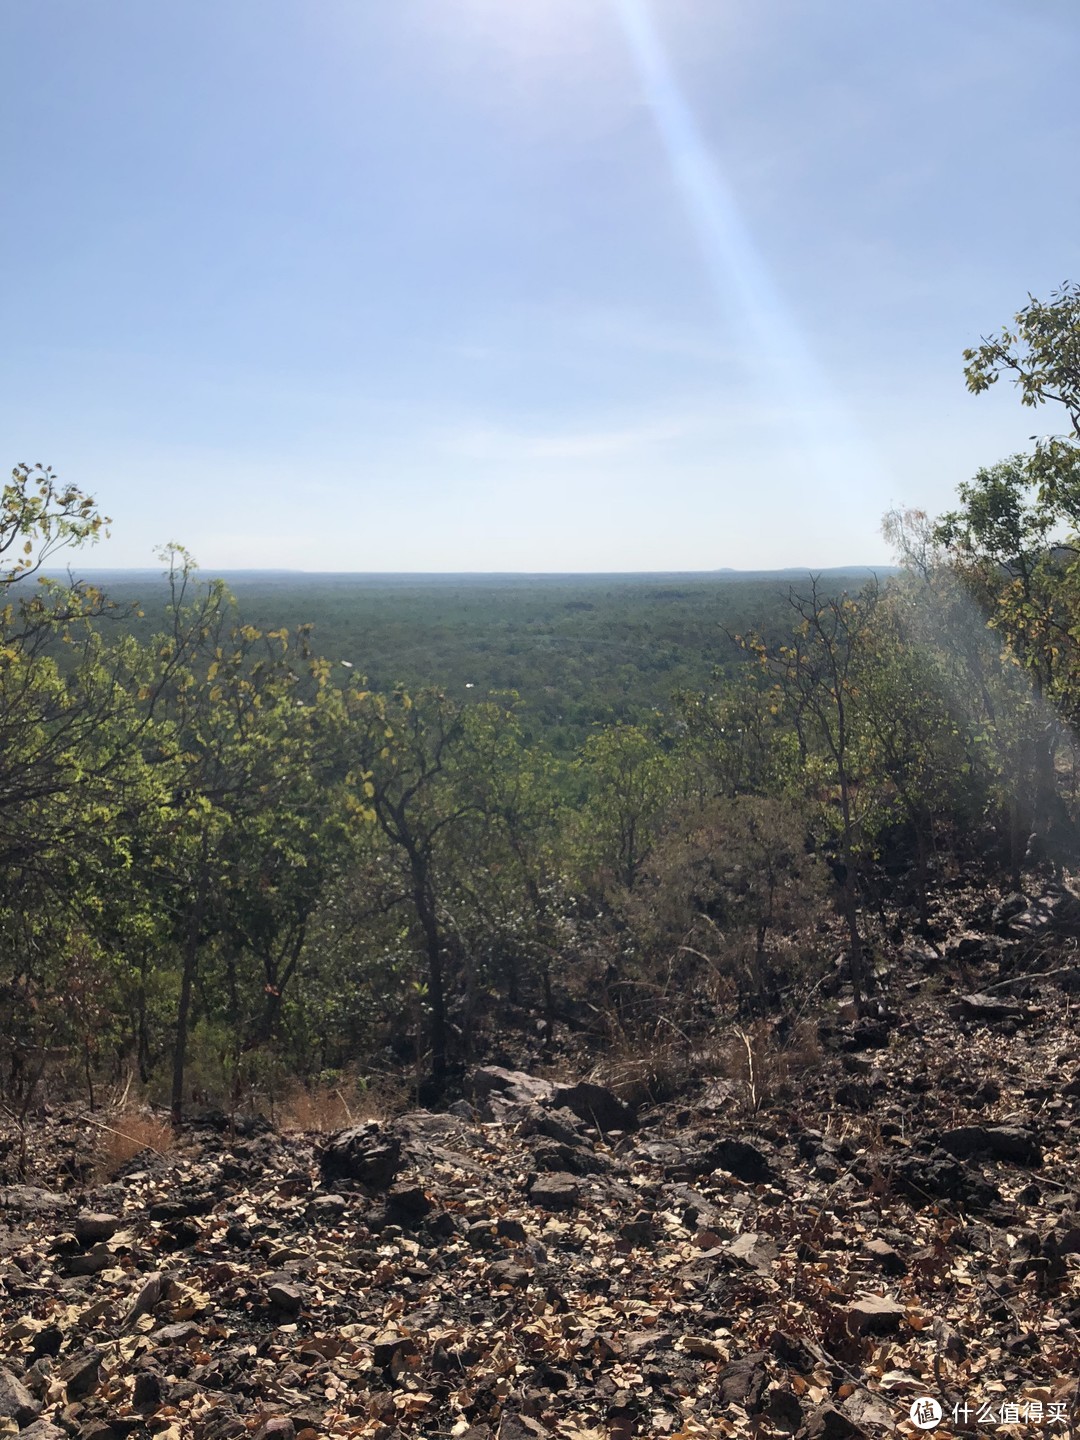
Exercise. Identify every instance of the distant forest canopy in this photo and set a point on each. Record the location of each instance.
(458, 821)
(579, 650)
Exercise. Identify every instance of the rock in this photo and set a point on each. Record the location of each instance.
(826, 1422)
(278, 1427)
(178, 1334)
(868, 1035)
(509, 1085)
(933, 1174)
(745, 1381)
(863, 1410)
(407, 1205)
(1006, 910)
(80, 1373)
(875, 1315)
(511, 1230)
(558, 1124)
(286, 1297)
(368, 1153)
(1003, 1142)
(759, 1252)
(92, 1226)
(92, 1263)
(890, 1260)
(32, 1200)
(508, 1272)
(390, 1346)
(783, 1410)
(554, 1192)
(520, 1427)
(739, 1158)
(596, 1105)
(149, 1390)
(42, 1430)
(16, 1402)
(991, 1009)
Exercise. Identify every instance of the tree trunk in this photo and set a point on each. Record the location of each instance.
(187, 982)
(424, 900)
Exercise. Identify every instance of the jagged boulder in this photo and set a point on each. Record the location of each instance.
(368, 1153)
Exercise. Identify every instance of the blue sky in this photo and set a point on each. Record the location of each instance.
(523, 284)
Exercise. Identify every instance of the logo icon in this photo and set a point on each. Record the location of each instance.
(925, 1412)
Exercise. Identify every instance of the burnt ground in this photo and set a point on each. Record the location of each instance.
(766, 1255)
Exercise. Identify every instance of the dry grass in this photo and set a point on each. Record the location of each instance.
(125, 1134)
(323, 1109)
(762, 1067)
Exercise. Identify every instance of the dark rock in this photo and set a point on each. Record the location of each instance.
(16, 1402)
(745, 1381)
(32, 1200)
(890, 1260)
(513, 1086)
(932, 1174)
(92, 1226)
(368, 1153)
(1003, 1142)
(558, 1124)
(596, 1105)
(80, 1373)
(554, 1192)
(783, 1410)
(407, 1205)
(149, 1390)
(759, 1252)
(289, 1298)
(875, 1315)
(178, 1334)
(277, 1427)
(511, 1230)
(991, 1009)
(507, 1272)
(739, 1158)
(827, 1423)
(42, 1430)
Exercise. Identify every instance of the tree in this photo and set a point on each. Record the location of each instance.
(817, 675)
(403, 749)
(38, 516)
(627, 779)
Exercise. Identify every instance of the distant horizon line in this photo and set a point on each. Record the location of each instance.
(252, 570)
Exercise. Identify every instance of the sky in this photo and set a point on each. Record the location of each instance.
(523, 285)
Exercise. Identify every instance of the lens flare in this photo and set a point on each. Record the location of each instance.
(775, 354)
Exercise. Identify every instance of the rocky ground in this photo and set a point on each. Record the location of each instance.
(902, 1220)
